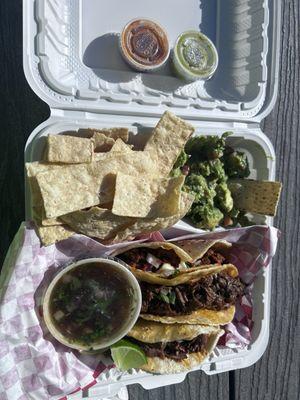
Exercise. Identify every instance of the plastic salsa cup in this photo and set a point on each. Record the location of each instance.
(144, 45)
(195, 56)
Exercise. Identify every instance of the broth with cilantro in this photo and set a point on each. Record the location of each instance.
(91, 302)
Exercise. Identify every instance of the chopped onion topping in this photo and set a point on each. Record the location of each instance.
(58, 315)
(66, 278)
(182, 265)
(151, 259)
(166, 269)
(165, 290)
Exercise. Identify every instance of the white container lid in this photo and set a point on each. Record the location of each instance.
(72, 60)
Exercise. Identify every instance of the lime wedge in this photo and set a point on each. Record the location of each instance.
(127, 355)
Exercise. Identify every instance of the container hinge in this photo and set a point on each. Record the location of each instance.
(246, 125)
(64, 113)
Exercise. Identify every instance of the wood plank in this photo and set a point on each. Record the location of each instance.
(197, 385)
(21, 111)
(277, 374)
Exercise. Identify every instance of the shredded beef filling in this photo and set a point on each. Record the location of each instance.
(213, 292)
(137, 258)
(211, 257)
(177, 350)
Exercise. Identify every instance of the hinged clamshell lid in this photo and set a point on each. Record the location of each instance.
(72, 60)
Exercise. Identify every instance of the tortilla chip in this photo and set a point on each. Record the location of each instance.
(197, 248)
(85, 185)
(118, 147)
(153, 332)
(146, 196)
(114, 133)
(189, 275)
(260, 197)
(148, 225)
(100, 156)
(69, 149)
(202, 316)
(37, 204)
(168, 140)
(121, 146)
(97, 222)
(102, 224)
(34, 168)
(102, 142)
(73, 189)
(45, 221)
(52, 234)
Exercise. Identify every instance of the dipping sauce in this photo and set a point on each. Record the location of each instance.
(92, 304)
(195, 56)
(144, 45)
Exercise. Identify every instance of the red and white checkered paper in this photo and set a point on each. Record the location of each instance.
(33, 365)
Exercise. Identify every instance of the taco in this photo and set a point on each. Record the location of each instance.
(174, 348)
(158, 261)
(206, 296)
(188, 281)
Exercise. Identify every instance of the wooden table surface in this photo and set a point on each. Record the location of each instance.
(276, 375)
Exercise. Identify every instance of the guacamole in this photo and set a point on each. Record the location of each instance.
(208, 163)
(199, 187)
(236, 164)
(179, 164)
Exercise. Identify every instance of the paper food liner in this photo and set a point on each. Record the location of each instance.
(33, 365)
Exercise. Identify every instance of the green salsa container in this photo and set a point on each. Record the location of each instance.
(194, 56)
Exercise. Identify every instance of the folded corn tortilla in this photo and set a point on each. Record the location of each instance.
(152, 332)
(187, 250)
(197, 248)
(189, 275)
(182, 254)
(200, 316)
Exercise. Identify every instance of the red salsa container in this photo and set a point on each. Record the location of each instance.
(144, 45)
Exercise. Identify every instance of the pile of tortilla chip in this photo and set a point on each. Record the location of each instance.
(99, 186)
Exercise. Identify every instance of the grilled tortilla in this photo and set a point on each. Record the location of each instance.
(206, 296)
(157, 262)
(174, 348)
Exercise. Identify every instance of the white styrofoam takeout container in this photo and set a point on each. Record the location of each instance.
(72, 62)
